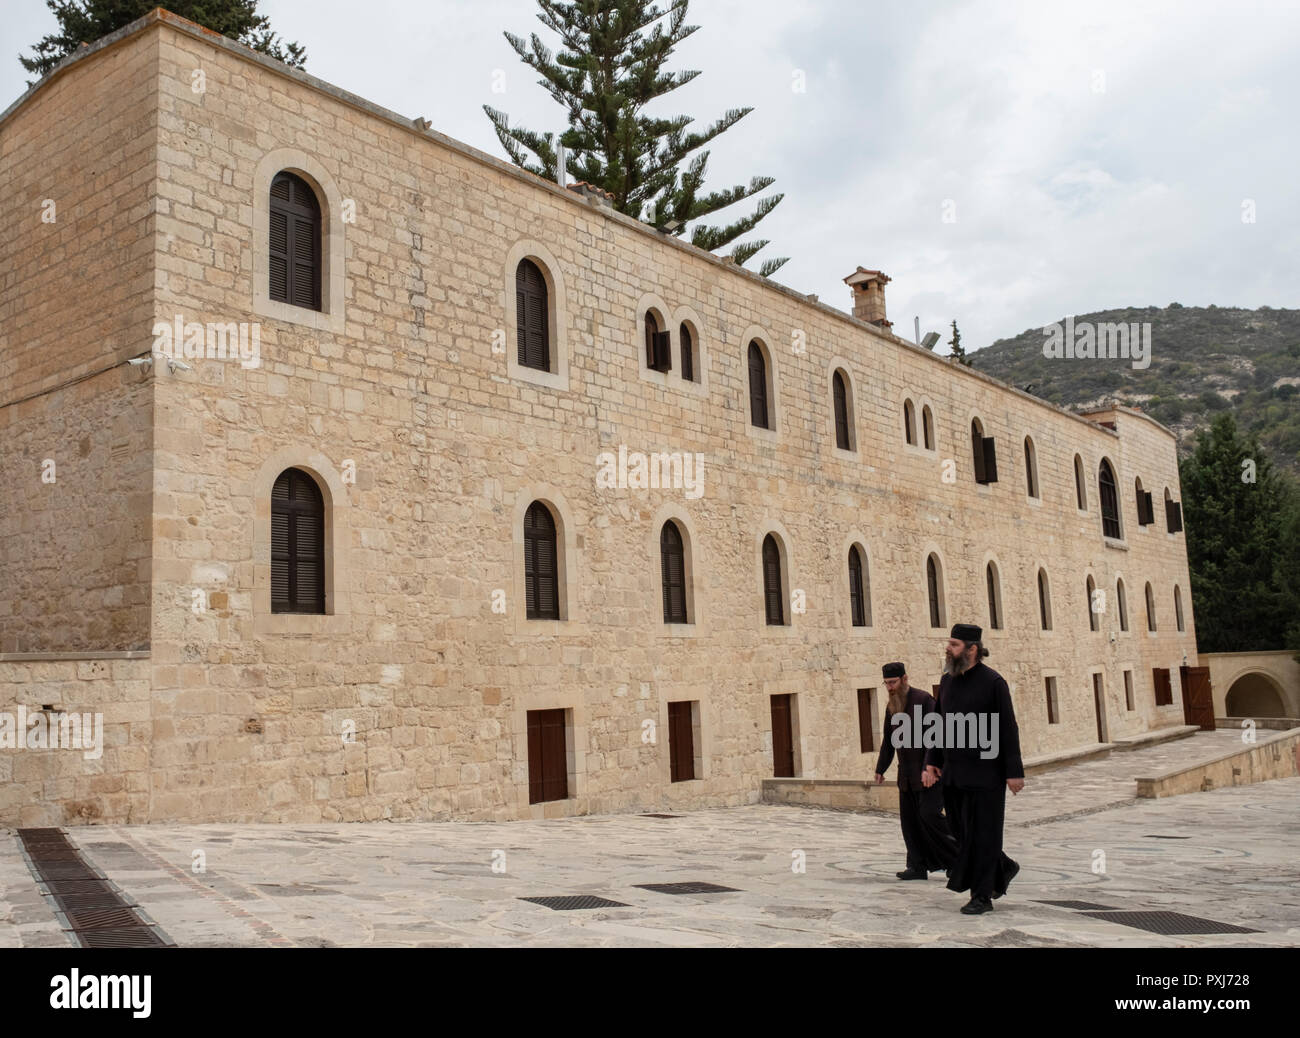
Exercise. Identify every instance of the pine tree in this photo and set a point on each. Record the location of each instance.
(609, 67)
(1242, 558)
(958, 352)
(85, 21)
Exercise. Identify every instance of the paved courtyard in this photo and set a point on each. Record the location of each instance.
(1228, 855)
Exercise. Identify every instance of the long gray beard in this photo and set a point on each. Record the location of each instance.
(954, 666)
(897, 702)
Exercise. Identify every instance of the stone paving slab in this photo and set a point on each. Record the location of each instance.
(433, 884)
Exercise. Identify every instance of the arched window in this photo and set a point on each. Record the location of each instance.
(1044, 601)
(859, 589)
(934, 590)
(843, 439)
(909, 422)
(1151, 608)
(1080, 491)
(1109, 493)
(672, 555)
(1178, 607)
(297, 544)
(658, 346)
(541, 573)
(1092, 613)
(994, 582)
(688, 352)
(773, 597)
(758, 402)
(532, 317)
(1145, 510)
(1031, 468)
(295, 264)
(1121, 605)
(927, 426)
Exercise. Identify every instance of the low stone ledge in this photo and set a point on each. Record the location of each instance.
(835, 794)
(1277, 756)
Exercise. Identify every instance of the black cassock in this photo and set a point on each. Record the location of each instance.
(930, 846)
(975, 789)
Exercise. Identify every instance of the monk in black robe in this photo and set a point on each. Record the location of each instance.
(930, 846)
(975, 781)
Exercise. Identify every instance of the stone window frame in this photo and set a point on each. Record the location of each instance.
(701, 737)
(331, 317)
(650, 302)
(855, 539)
(1122, 539)
(575, 738)
(788, 583)
(842, 365)
(566, 566)
(772, 434)
(911, 428)
(694, 626)
(337, 617)
(557, 377)
(924, 404)
(699, 386)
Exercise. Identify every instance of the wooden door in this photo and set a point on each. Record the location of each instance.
(681, 742)
(1198, 698)
(782, 738)
(548, 757)
(1099, 705)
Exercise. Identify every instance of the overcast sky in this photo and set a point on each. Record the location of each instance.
(1085, 155)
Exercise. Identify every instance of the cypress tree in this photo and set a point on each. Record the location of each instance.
(610, 66)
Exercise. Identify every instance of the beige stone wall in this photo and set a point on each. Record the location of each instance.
(76, 288)
(450, 445)
(44, 787)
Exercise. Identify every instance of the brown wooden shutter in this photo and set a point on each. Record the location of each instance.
(866, 712)
(842, 440)
(757, 387)
(1163, 688)
(297, 544)
(990, 460)
(548, 764)
(688, 353)
(673, 563)
(681, 742)
(532, 317)
(856, 606)
(295, 243)
(782, 738)
(773, 598)
(541, 579)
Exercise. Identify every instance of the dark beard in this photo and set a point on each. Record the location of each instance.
(897, 701)
(955, 666)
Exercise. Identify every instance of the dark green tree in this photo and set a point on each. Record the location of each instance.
(85, 21)
(958, 352)
(610, 66)
(1244, 563)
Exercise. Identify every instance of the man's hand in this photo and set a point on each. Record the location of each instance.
(930, 776)
(1015, 785)
(879, 778)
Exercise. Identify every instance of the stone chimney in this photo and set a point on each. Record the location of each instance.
(869, 296)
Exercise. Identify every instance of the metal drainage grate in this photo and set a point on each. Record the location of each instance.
(686, 888)
(1082, 905)
(96, 913)
(1169, 922)
(1157, 836)
(569, 903)
(660, 816)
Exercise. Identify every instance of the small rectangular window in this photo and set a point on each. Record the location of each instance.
(681, 741)
(1053, 716)
(866, 719)
(1128, 690)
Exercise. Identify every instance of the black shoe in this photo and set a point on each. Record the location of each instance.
(977, 906)
(1015, 869)
(911, 873)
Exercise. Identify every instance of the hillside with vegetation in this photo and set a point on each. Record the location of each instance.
(1204, 361)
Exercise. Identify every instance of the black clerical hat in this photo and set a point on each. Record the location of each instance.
(966, 632)
(893, 670)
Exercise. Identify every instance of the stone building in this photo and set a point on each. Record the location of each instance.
(402, 558)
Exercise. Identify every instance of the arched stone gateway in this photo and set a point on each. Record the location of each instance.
(1255, 695)
(1254, 684)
